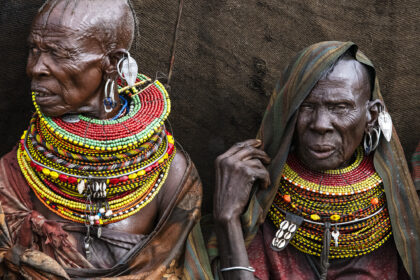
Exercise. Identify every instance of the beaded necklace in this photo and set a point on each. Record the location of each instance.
(351, 201)
(98, 172)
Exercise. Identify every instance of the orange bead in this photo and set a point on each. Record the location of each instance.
(374, 201)
(287, 198)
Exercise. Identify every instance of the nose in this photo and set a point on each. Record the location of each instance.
(37, 66)
(321, 121)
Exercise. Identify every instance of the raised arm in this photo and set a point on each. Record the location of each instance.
(236, 172)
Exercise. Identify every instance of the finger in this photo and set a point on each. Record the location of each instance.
(264, 177)
(250, 153)
(241, 145)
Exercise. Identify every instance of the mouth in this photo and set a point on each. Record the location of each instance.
(321, 151)
(41, 92)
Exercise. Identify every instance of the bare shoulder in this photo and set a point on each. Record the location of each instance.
(179, 166)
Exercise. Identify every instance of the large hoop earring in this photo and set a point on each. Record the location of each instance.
(371, 142)
(109, 101)
(127, 69)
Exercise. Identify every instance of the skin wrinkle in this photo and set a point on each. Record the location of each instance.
(331, 118)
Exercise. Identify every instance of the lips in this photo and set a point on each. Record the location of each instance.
(43, 96)
(321, 151)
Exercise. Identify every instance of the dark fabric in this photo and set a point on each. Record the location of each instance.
(415, 163)
(291, 264)
(229, 55)
(26, 234)
(277, 131)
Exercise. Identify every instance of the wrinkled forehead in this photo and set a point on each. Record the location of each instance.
(348, 76)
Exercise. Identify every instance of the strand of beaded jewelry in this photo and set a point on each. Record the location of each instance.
(97, 172)
(352, 200)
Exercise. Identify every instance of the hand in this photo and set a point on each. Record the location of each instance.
(236, 171)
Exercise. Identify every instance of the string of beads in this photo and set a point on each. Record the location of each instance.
(351, 199)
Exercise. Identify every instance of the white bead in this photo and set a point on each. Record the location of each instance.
(102, 210)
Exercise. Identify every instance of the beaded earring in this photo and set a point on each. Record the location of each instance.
(109, 101)
(127, 69)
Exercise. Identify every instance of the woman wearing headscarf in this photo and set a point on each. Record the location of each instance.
(331, 205)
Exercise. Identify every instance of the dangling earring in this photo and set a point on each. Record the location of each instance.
(127, 69)
(109, 101)
(371, 142)
(385, 123)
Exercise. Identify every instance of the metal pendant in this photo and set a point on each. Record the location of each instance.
(71, 118)
(335, 234)
(81, 186)
(287, 230)
(385, 123)
(129, 70)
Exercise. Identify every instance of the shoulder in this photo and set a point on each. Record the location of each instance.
(181, 177)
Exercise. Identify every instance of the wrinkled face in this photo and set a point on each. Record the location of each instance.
(64, 67)
(332, 119)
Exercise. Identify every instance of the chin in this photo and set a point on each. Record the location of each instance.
(52, 112)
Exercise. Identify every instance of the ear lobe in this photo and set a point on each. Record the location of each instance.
(373, 110)
(111, 61)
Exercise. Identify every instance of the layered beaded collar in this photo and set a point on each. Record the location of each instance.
(98, 172)
(344, 207)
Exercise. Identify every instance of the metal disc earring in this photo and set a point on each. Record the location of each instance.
(127, 69)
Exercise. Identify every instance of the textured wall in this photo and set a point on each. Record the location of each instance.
(229, 54)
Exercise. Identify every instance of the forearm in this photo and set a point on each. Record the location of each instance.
(232, 249)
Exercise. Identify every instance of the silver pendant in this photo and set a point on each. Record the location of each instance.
(71, 118)
(335, 234)
(81, 186)
(385, 123)
(129, 70)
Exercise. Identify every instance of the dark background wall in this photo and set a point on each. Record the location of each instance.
(228, 56)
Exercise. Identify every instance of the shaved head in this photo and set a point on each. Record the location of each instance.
(110, 22)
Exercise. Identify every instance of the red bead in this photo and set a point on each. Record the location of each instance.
(39, 168)
(33, 164)
(287, 198)
(97, 222)
(156, 164)
(374, 201)
(72, 180)
(63, 178)
(123, 178)
(148, 169)
(114, 181)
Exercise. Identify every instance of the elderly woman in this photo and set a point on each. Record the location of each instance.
(330, 206)
(96, 187)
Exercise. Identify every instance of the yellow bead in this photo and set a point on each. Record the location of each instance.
(46, 171)
(141, 173)
(335, 217)
(54, 175)
(161, 160)
(97, 148)
(125, 147)
(315, 217)
(119, 147)
(132, 176)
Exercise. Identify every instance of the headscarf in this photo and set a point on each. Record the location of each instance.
(277, 130)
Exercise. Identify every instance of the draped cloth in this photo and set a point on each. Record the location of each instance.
(277, 131)
(32, 247)
(415, 164)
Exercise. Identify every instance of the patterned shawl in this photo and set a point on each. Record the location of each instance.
(277, 129)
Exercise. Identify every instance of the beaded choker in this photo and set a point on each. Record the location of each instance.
(350, 202)
(98, 172)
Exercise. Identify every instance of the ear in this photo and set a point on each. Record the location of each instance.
(372, 113)
(111, 60)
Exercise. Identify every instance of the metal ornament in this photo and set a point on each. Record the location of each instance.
(335, 234)
(128, 70)
(385, 123)
(109, 101)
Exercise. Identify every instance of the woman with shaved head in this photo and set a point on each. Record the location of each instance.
(96, 186)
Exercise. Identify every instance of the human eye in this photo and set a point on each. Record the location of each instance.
(305, 106)
(339, 108)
